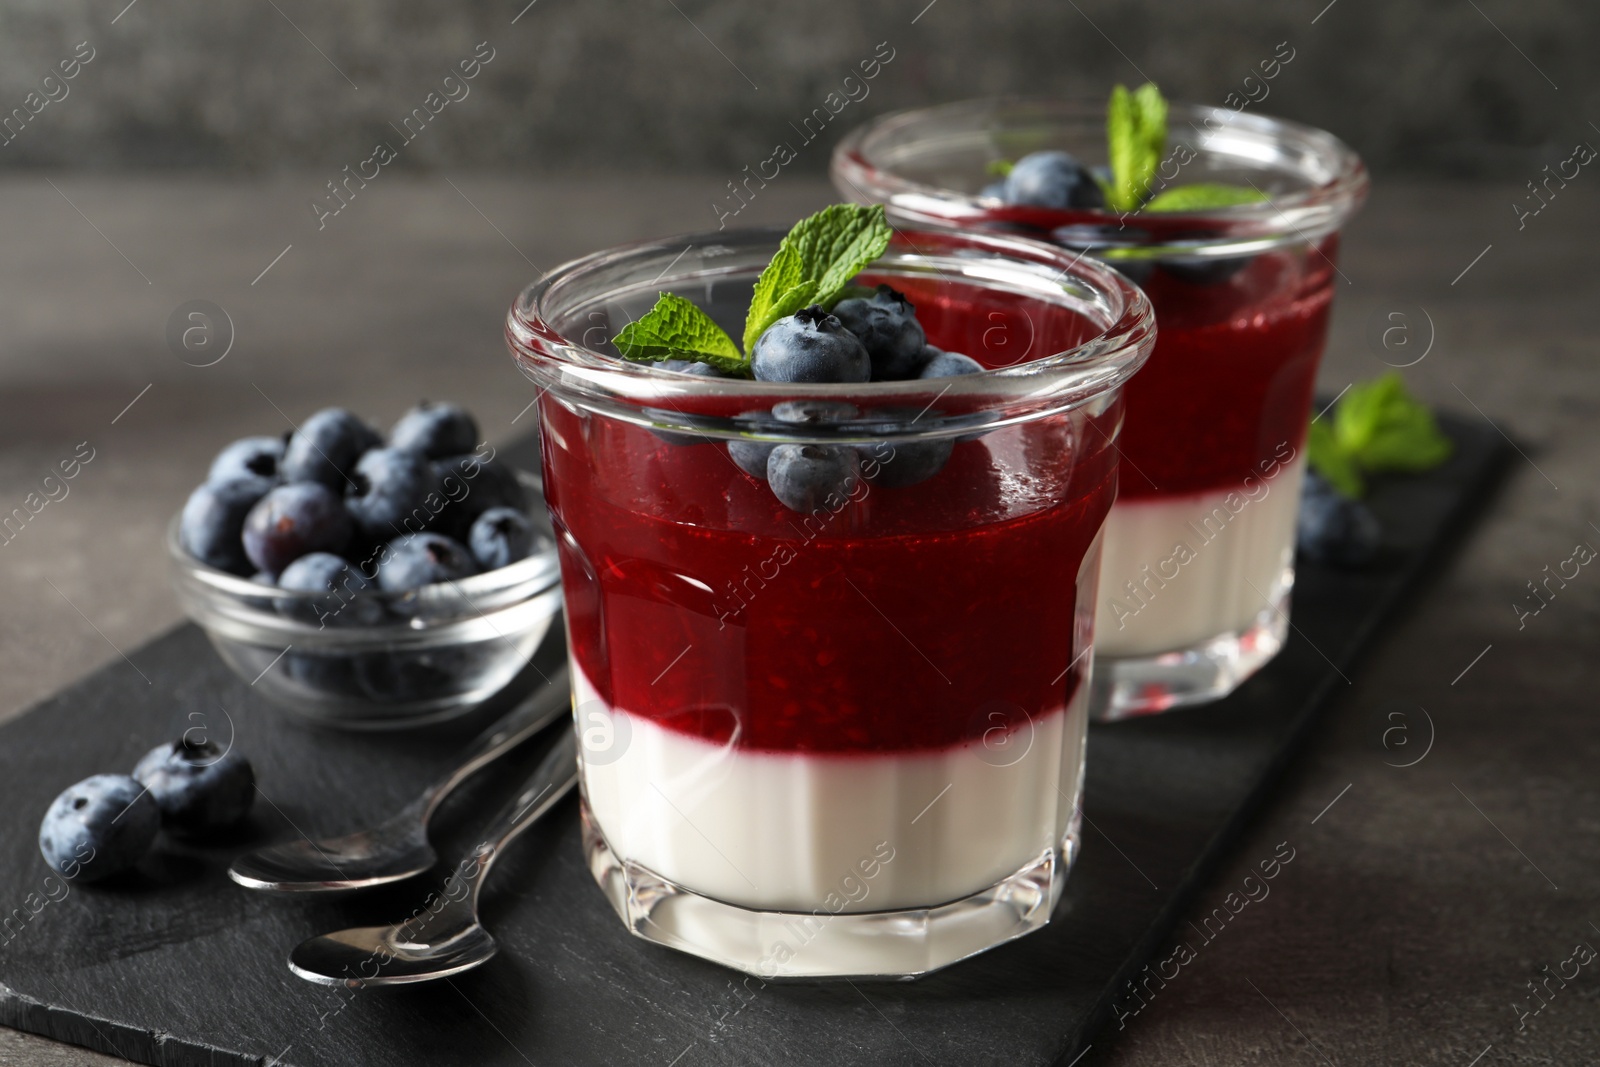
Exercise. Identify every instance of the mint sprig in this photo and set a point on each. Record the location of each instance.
(813, 265)
(1376, 427)
(815, 262)
(1136, 135)
(1136, 139)
(1203, 196)
(677, 329)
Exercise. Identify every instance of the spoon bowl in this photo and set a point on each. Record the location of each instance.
(397, 849)
(444, 936)
(392, 852)
(389, 955)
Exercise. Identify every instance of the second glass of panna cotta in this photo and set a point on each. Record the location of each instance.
(849, 739)
(1199, 550)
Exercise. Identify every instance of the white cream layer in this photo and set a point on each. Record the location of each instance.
(849, 833)
(1177, 571)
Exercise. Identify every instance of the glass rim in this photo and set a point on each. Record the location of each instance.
(1333, 200)
(649, 396)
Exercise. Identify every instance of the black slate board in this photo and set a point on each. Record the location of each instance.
(183, 967)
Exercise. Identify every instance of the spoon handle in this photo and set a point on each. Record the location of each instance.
(539, 709)
(555, 776)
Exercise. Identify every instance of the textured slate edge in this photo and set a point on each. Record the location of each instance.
(22, 1012)
(1477, 493)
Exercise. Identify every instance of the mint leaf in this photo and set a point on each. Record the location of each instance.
(998, 168)
(815, 262)
(677, 329)
(1136, 135)
(1377, 427)
(1384, 428)
(1204, 195)
(1332, 462)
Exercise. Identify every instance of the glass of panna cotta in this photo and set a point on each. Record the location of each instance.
(849, 739)
(1198, 561)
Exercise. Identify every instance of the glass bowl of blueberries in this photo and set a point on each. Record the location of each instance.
(365, 582)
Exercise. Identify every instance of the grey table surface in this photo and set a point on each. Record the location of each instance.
(1423, 899)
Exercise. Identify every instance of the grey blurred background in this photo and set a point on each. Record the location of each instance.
(1449, 87)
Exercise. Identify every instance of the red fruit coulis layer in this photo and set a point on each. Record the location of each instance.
(911, 620)
(1230, 381)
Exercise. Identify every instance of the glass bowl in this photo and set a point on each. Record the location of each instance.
(435, 653)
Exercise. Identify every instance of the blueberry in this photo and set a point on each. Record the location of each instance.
(1053, 180)
(343, 586)
(942, 364)
(473, 486)
(293, 520)
(102, 826)
(199, 787)
(995, 190)
(329, 675)
(435, 430)
(751, 456)
(902, 463)
(691, 366)
(422, 559)
(213, 520)
(1203, 270)
(1333, 529)
(500, 537)
(803, 477)
(887, 327)
(809, 346)
(249, 457)
(387, 486)
(1107, 243)
(326, 446)
(421, 675)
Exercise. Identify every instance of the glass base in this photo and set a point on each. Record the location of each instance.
(1128, 687)
(821, 944)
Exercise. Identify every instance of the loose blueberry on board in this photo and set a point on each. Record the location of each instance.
(473, 486)
(293, 520)
(342, 585)
(213, 520)
(435, 430)
(803, 477)
(942, 364)
(102, 826)
(500, 537)
(422, 559)
(809, 346)
(249, 457)
(887, 327)
(326, 446)
(198, 787)
(1053, 180)
(691, 366)
(1334, 529)
(386, 487)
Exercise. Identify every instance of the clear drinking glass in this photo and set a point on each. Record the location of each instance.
(1199, 549)
(846, 740)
